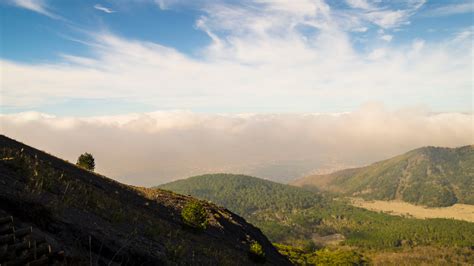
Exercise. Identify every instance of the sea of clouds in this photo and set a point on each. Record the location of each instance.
(152, 148)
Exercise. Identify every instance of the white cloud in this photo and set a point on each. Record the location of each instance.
(360, 29)
(464, 34)
(167, 4)
(382, 14)
(387, 19)
(450, 9)
(151, 148)
(103, 9)
(417, 45)
(267, 72)
(378, 53)
(38, 6)
(259, 60)
(359, 4)
(387, 37)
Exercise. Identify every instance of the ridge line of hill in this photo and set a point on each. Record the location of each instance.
(87, 214)
(430, 176)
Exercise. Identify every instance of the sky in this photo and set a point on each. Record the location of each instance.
(272, 88)
(115, 57)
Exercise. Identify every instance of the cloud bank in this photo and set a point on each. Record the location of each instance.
(152, 148)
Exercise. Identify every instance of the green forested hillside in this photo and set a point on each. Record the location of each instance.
(245, 194)
(292, 215)
(428, 176)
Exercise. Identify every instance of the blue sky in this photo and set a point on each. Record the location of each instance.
(86, 58)
(34, 37)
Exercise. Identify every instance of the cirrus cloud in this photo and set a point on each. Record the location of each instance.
(39, 6)
(104, 9)
(243, 74)
(263, 56)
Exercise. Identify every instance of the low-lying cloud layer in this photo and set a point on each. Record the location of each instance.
(152, 148)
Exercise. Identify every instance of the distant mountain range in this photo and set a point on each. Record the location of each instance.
(88, 219)
(430, 176)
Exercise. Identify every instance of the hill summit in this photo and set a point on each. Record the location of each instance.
(431, 176)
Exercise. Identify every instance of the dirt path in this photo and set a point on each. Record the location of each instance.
(457, 211)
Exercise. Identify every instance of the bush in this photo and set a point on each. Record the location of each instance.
(256, 252)
(337, 257)
(296, 255)
(86, 161)
(194, 214)
(324, 256)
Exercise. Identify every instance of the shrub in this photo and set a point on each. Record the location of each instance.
(324, 256)
(296, 255)
(194, 214)
(86, 161)
(337, 257)
(256, 252)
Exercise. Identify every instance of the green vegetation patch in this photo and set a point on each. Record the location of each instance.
(256, 252)
(293, 215)
(194, 214)
(324, 256)
(431, 176)
(86, 161)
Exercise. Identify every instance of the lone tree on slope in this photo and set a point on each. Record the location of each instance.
(86, 161)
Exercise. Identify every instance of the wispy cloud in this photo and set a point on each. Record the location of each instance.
(258, 52)
(464, 34)
(450, 9)
(38, 6)
(363, 4)
(259, 59)
(244, 73)
(387, 37)
(383, 15)
(103, 9)
(152, 148)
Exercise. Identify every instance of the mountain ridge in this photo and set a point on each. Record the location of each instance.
(431, 176)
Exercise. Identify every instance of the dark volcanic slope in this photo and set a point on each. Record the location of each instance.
(95, 219)
(430, 176)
